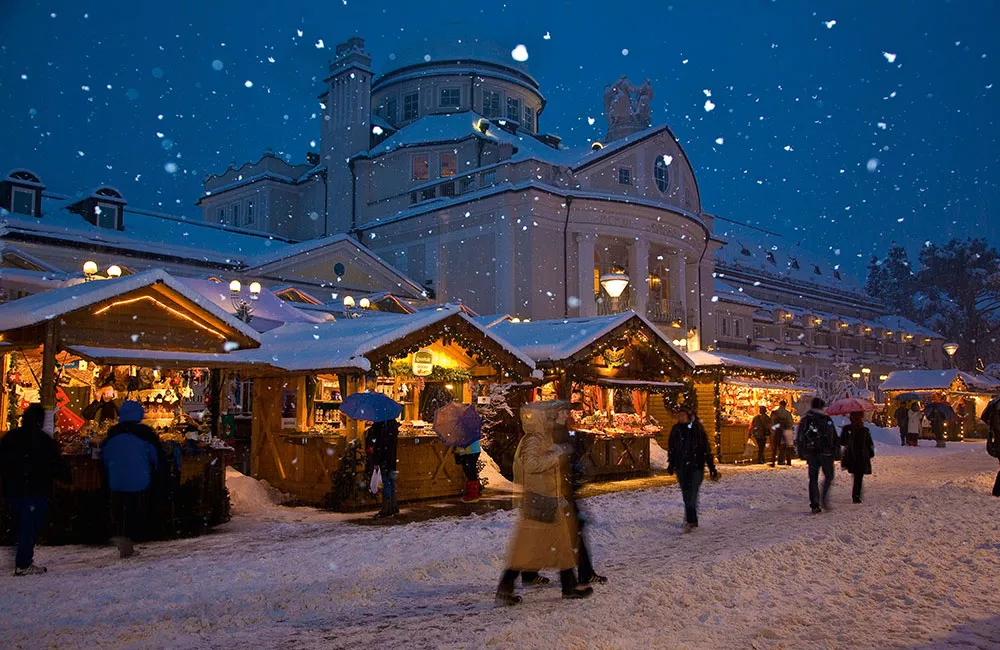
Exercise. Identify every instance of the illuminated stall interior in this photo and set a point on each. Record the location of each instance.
(421, 360)
(967, 393)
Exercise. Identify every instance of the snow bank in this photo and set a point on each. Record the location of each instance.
(657, 455)
(495, 480)
(250, 496)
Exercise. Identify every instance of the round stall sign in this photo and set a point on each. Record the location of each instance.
(423, 363)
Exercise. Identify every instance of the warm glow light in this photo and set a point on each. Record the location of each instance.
(515, 320)
(348, 301)
(90, 267)
(950, 349)
(614, 283)
(883, 377)
(235, 286)
(866, 371)
(255, 288)
(856, 375)
(167, 307)
(364, 303)
(114, 271)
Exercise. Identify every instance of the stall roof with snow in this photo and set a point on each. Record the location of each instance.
(146, 311)
(360, 345)
(618, 347)
(940, 380)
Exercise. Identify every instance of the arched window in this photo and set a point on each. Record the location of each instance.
(661, 174)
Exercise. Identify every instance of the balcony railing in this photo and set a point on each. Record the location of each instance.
(666, 311)
(606, 305)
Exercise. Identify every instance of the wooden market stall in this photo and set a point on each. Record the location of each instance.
(615, 368)
(91, 345)
(303, 445)
(731, 388)
(967, 393)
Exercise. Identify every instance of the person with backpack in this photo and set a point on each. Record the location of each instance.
(859, 450)
(760, 429)
(30, 463)
(818, 446)
(688, 451)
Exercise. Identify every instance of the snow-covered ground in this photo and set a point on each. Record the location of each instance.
(916, 566)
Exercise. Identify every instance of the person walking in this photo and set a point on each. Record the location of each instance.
(784, 435)
(688, 451)
(760, 429)
(859, 449)
(468, 459)
(577, 477)
(30, 463)
(901, 416)
(818, 446)
(545, 535)
(132, 456)
(937, 426)
(991, 415)
(914, 423)
(381, 441)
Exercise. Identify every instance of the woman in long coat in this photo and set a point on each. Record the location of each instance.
(545, 535)
(858, 451)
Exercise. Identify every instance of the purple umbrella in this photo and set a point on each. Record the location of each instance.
(458, 425)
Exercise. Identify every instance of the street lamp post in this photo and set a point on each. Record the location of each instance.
(950, 349)
(243, 309)
(614, 284)
(867, 374)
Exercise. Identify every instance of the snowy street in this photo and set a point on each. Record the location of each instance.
(916, 566)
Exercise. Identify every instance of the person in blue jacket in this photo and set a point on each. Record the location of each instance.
(132, 456)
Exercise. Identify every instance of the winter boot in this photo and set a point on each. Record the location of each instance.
(506, 597)
(471, 492)
(31, 570)
(571, 589)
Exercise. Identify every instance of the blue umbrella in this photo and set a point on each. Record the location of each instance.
(458, 425)
(371, 407)
(944, 409)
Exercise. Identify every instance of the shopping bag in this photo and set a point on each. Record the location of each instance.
(376, 480)
(789, 436)
(750, 450)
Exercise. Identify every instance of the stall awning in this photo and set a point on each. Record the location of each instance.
(159, 358)
(770, 385)
(637, 384)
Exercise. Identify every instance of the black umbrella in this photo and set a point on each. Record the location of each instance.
(907, 397)
(941, 408)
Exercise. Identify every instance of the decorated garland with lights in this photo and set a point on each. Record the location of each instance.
(678, 397)
(400, 368)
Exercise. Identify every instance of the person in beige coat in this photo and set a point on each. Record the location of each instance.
(545, 534)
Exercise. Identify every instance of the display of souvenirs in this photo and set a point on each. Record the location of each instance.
(739, 403)
(632, 424)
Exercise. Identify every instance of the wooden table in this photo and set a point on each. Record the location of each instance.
(609, 458)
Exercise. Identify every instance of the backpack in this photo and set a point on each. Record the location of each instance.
(815, 436)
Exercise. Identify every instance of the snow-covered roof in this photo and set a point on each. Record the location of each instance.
(728, 293)
(929, 380)
(704, 359)
(269, 311)
(346, 343)
(144, 232)
(158, 358)
(430, 53)
(900, 324)
(560, 339)
(52, 304)
(772, 254)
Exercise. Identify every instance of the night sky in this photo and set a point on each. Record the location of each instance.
(823, 137)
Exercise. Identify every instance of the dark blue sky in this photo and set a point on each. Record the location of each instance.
(88, 88)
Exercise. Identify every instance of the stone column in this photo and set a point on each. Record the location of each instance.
(678, 280)
(638, 267)
(585, 271)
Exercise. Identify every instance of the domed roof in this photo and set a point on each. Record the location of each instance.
(428, 53)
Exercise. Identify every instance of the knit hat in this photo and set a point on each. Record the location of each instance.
(130, 411)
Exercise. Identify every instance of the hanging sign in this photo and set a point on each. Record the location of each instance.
(423, 363)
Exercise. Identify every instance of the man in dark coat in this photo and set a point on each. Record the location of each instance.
(937, 419)
(760, 429)
(858, 451)
(817, 443)
(993, 421)
(901, 415)
(133, 457)
(688, 451)
(30, 463)
(781, 421)
(381, 440)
